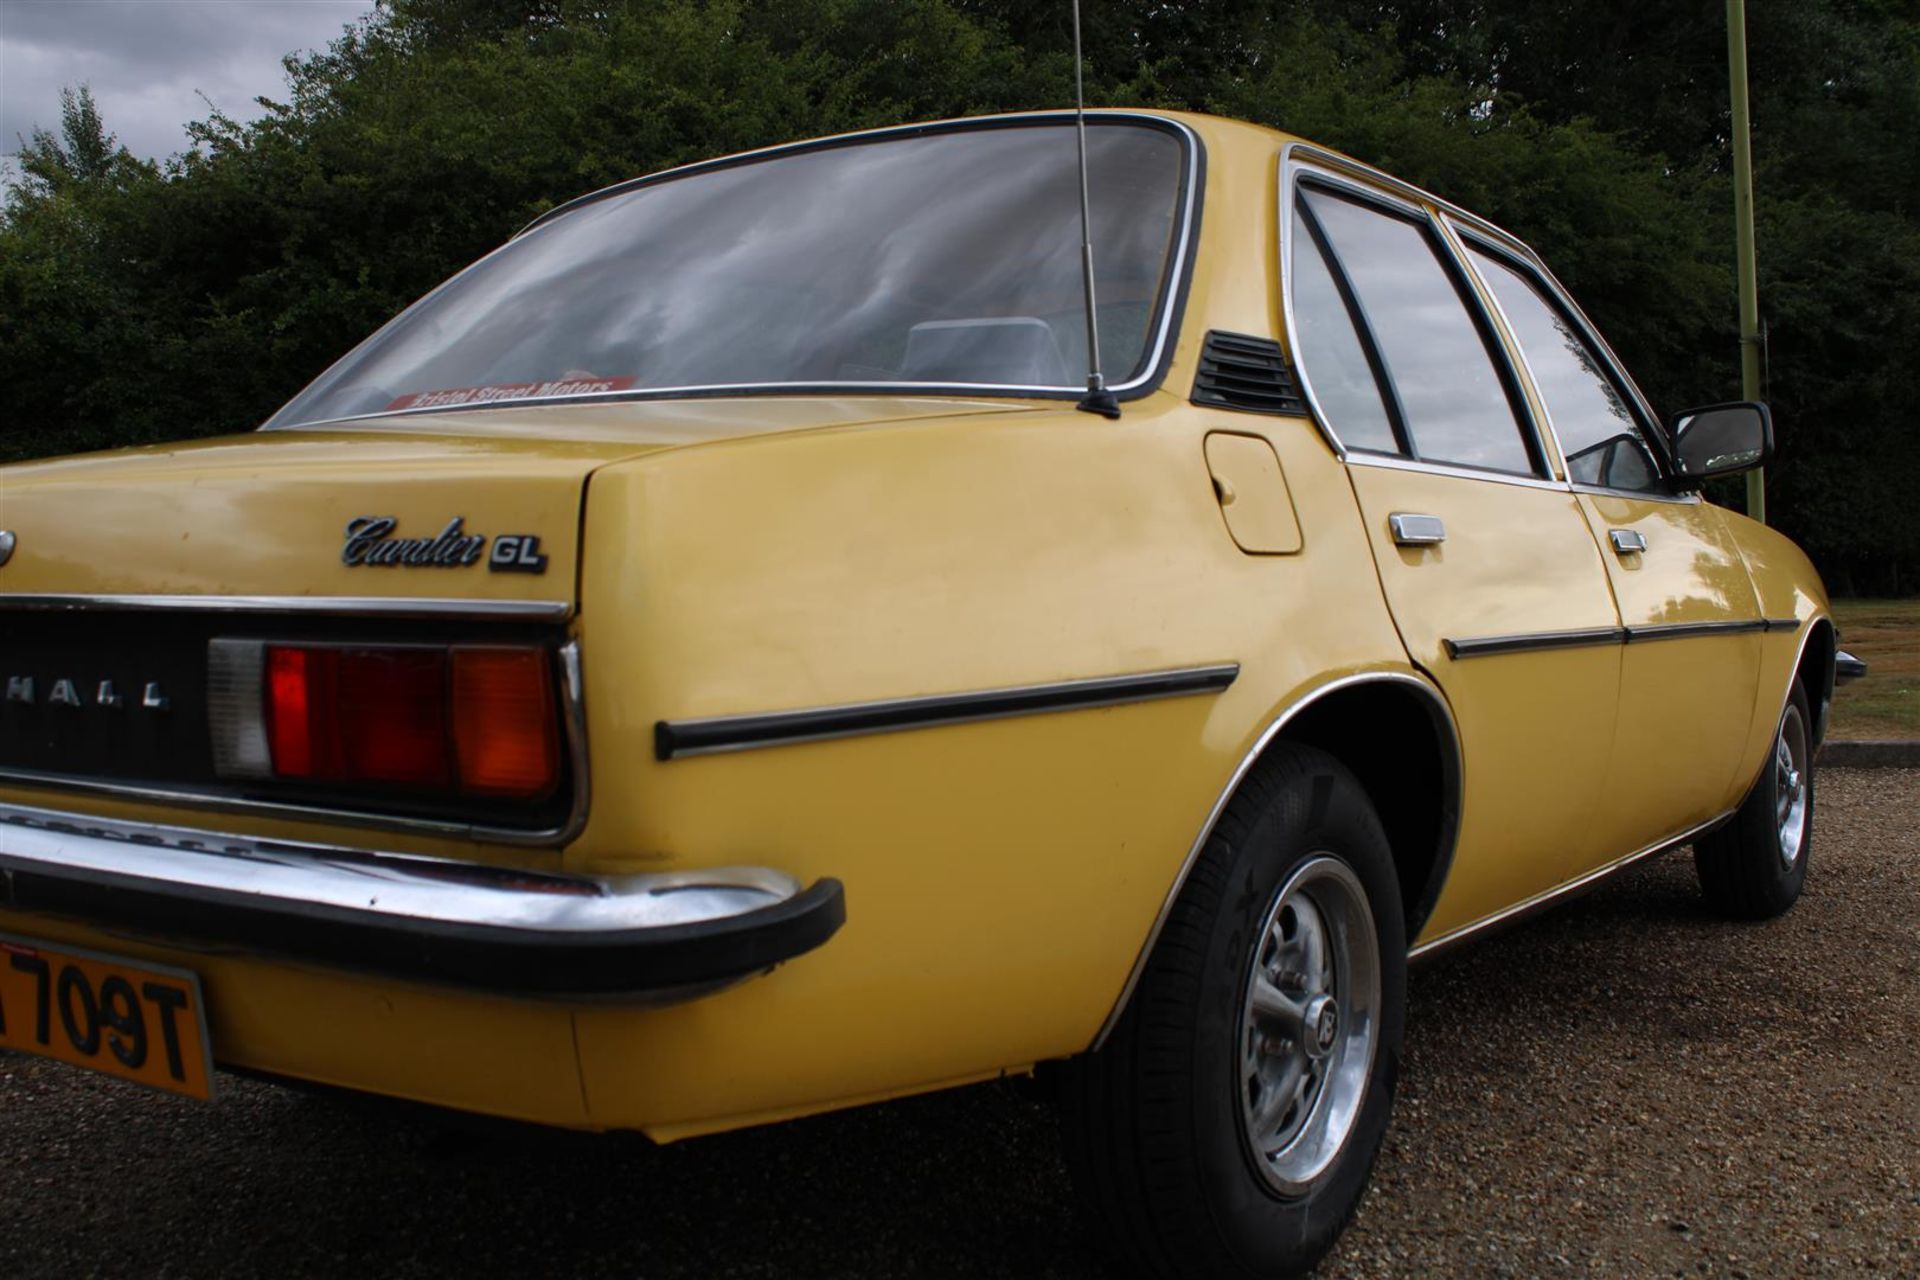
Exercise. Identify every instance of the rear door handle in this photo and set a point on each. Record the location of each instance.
(1413, 530)
(1628, 541)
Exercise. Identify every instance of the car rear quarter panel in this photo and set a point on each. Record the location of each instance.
(1002, 875)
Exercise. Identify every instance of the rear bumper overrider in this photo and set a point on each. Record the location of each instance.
(642, 939)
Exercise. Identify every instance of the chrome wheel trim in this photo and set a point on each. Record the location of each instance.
(1791, 785)
(1309, 1024)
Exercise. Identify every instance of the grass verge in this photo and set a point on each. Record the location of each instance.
(1885, 634)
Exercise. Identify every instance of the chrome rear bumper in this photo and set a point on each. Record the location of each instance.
(641, 938)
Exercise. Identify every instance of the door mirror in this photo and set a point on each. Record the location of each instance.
(1721, 439)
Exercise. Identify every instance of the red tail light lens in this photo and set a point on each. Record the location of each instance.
(290, 687)
(476, 720)
(391, 714)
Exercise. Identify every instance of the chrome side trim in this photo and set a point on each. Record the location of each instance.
(1482, 646)
(372, 606)
(1687, 630)
(675, 739)
(1552, 897)
(573, 696)
(1443, 714)
(1534, 641)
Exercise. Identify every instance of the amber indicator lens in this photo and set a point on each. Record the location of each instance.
(503, 722)
(480, 720)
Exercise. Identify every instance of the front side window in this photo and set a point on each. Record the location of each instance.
(943, 259)
(1437, 360)
(1599, 433)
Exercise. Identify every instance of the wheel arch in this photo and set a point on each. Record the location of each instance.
(1814, 670)
(1415, 788)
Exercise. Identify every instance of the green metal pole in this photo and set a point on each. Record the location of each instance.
(1743, 236)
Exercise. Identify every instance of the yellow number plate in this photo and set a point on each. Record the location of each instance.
(136, 1021)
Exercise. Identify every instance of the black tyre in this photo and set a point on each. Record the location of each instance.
(1229, 1124)
(1754, 867)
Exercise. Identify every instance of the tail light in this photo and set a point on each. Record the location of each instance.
(476, 720)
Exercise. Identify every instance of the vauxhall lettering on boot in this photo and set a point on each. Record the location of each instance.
(66, 691)
(371, 541)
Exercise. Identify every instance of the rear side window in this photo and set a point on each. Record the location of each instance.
(1599, 432)
(1330, 349)
(1440, 367)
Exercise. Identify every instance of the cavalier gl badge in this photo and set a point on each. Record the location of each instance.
(372, 541)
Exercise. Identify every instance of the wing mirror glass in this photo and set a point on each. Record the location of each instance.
(1721, 439)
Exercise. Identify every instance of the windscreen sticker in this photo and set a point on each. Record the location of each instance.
(510, 391)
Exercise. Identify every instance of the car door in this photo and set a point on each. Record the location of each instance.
(1691, 667)
(1485, 557)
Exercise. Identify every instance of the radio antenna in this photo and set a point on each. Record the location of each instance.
(1098, 399)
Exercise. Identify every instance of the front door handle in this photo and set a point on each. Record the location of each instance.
(1628, 541)
(1412, 530)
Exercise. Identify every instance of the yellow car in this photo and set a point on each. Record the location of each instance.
(700, 666)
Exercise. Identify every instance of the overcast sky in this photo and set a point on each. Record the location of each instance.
(147, 61)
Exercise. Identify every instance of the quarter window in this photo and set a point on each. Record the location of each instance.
(1600, 434)
(1440, 366)
(1331, 351)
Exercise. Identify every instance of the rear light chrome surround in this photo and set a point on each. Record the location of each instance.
(571, 694)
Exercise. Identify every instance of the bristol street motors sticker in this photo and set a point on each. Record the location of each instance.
(498, 391)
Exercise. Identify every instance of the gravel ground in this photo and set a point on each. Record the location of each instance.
(1625, 1087)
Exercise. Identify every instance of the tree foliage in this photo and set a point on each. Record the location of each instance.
(146, 302)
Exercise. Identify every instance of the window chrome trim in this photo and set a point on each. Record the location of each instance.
(371, 606)
(574, 724)
(1173, 294)
(1349, 177)
(678, 739)
(1452, 783)
(1393, 462)
(1691, 498)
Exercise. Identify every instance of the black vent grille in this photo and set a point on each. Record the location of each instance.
(1249, 374)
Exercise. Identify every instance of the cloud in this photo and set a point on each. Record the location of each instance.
(148, 61)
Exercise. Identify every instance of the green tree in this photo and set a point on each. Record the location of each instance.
(148, 302)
